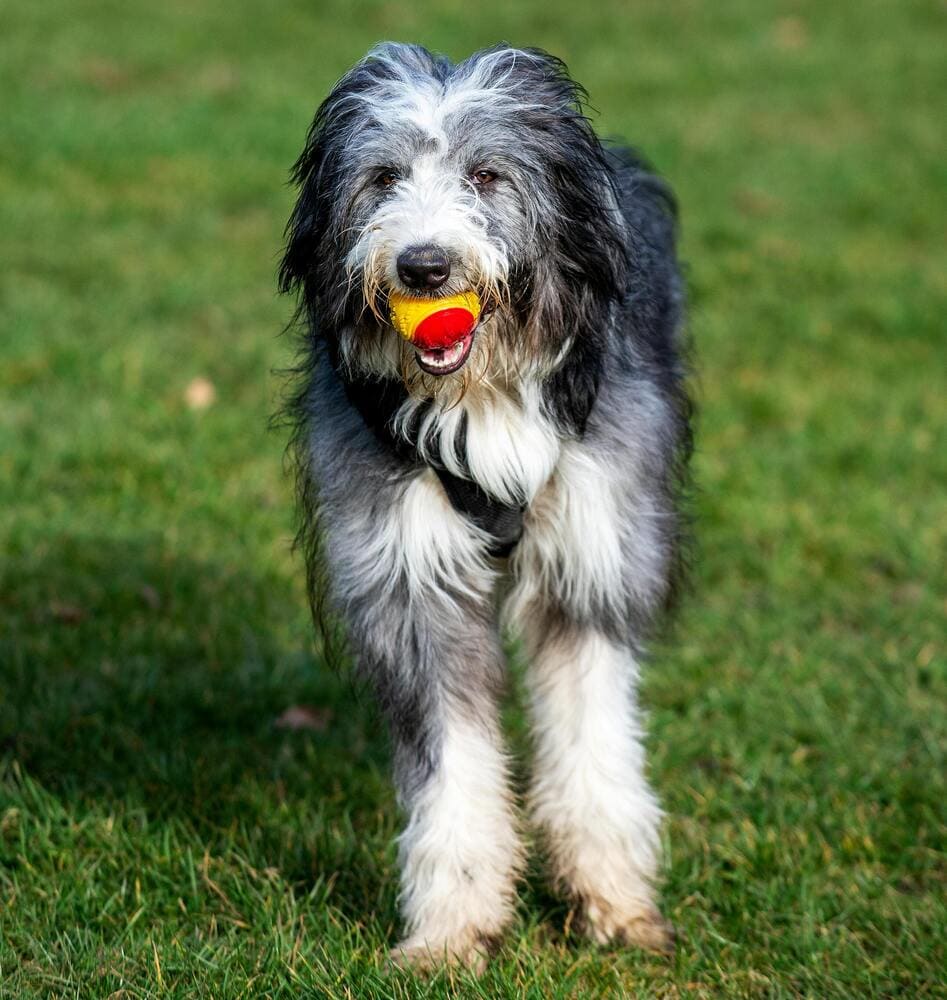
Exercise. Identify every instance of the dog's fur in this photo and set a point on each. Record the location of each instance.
(571, 410)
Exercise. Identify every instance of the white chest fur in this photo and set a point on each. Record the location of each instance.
(510, 448)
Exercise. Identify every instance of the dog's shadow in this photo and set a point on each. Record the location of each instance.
(135, 678)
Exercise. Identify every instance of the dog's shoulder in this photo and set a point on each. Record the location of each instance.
(643, 192)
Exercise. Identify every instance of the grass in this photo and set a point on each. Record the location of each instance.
(159, 836)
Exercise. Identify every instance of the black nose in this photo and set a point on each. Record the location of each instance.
(423, 267)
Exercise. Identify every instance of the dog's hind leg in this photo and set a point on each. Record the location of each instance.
(411, 579)
(589, 794)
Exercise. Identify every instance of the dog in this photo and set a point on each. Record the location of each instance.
(528, 476)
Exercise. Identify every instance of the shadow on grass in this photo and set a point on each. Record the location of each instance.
(138, 679)
(132, 673)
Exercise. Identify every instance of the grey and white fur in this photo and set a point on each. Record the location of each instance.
(568, 418)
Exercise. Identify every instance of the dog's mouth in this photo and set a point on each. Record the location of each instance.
(444, 360)
(437, 357)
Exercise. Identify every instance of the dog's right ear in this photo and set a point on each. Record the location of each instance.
(315, 227)
(310, 221)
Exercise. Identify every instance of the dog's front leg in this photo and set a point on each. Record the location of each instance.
(459, 851)
(582, 580)
(590, 795)
(413, 583)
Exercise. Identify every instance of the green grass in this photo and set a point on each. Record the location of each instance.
(158, 836)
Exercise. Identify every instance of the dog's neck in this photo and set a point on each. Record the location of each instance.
(495, 434)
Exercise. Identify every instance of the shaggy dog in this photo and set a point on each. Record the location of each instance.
(547, 449)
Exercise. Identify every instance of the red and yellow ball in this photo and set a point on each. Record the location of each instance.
(433, 324)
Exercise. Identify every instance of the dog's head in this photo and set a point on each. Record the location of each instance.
(429, 180)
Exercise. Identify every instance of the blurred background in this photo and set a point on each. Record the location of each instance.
(166, 826)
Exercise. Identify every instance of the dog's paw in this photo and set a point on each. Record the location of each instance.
(419, 955)
(645, 928)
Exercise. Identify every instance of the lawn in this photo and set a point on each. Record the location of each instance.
(160, 835)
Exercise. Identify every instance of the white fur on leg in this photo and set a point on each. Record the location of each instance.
(460, 851)
(590, 794)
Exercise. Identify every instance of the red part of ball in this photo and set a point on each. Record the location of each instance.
(443, 328)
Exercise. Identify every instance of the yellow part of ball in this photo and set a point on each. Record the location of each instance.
(407, 312)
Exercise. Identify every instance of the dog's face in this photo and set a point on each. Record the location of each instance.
(429, 180)
(436, 206)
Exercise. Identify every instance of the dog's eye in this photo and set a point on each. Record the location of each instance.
(386, 178)
(483, 177)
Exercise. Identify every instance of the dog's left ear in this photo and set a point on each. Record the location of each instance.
(589, 241)
(580, 270)
(585, 268)
(587, 230)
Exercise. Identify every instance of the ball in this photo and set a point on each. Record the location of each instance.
(433, 324)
